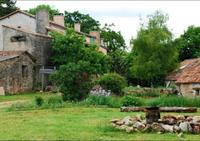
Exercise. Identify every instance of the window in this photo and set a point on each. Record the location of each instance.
(197, 92)
(18, 38)
(24, 71)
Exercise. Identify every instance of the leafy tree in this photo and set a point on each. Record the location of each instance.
(87, 23)
(6, 7)
(77, 64)
(51, 10)
(113, 39)
(153, 50)
(189, 43)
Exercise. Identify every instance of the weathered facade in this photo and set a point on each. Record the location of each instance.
(21, 31)
(16, 71)
(186, 77)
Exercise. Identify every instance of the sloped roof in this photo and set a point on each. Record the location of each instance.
(6, 55)
(28, 14)
(188, 72)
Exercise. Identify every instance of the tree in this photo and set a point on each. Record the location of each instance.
(77, 64)
(87, 23)
(51, 10)
(189, 43)
(153, 50)
(113, 39)
(6, 7)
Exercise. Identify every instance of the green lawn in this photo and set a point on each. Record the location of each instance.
(72, 123)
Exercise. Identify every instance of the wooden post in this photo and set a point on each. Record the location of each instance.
(152, 114)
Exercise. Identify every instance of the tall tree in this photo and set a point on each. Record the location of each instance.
(113, 39)
(87, 22)
(52, 11)
(189, 43)
(77, 64)
(7, 6)
(154, 53)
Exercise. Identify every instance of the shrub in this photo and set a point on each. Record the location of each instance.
(113, 82)
(102, 100)
(39, 101)
(132, 101)
(55, 101)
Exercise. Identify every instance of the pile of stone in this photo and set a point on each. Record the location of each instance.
(168, 123)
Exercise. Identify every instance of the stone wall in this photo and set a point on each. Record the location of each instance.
(17, 20)
(186, 90)
(13, 78)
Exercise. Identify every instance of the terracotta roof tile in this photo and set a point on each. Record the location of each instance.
(188, 72)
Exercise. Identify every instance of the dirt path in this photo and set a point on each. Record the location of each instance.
(5, 104)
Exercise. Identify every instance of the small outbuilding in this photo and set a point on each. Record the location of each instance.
(16, 71)
(186, 78)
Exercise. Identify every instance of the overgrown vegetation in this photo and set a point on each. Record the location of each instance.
(113, 82)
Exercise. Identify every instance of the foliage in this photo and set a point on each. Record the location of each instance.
(119, 62)
(87, 23)
(74, 80)
(55, 101)
(52, 11)
(39, 101)
(189, 43)
(132, 101)
(153, 51)
(109, 101)
(113, 82)
(141, 92)
(113, 39)
(77, 64)
(6, 7)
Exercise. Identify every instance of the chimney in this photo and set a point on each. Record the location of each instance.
(97, 35)
(77, 27)
(42, 20)
(59, 19)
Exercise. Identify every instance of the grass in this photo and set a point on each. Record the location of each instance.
(73, 122)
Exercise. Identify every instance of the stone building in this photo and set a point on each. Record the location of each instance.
(186, 78)
(21, 31)
(16, 71)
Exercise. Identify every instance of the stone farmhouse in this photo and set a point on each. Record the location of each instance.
(186, 78)
(25, 47)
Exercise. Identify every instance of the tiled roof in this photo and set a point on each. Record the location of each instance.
(188, 72)
(6, 55)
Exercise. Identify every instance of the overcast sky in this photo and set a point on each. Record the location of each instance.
(125, 14)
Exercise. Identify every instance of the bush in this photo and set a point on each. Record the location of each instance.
(113, 82)
(55, 101)
(39, 101)
(102, 100)
(132, 101)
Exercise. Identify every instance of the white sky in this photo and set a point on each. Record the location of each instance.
(125, 14)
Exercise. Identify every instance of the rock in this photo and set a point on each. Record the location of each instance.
(185, 126)
(176, 129)
(139, 117)
(119, 123)
(114, 120)
(189, 118)
(180, 117)
(127, 121)
(167, 128)
(139, 125)
(196, 119)
(123, 127)
(157, 127)
(195, 128)
(147, 128)
(129, 129)
(169, 119)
